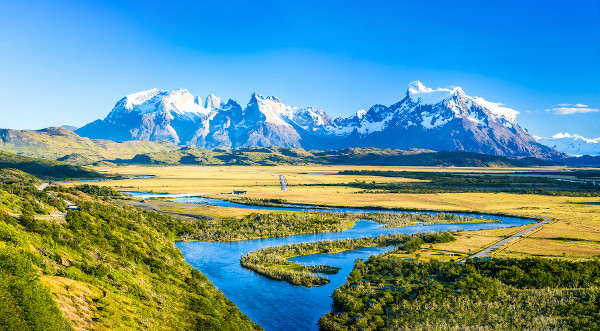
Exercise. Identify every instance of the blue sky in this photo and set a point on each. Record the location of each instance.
(68, 62)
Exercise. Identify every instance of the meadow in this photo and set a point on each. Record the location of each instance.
(574, 233)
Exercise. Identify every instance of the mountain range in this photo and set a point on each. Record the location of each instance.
(572, 144)
(435, 119)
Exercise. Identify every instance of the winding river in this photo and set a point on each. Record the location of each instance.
(277, 305)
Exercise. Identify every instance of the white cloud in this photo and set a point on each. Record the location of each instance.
(568, 109)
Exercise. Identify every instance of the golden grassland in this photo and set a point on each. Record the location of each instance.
(224, 179)
(574, 234)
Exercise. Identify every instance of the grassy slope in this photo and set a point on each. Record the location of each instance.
(59, 143)
(46, 169)
(107, 267)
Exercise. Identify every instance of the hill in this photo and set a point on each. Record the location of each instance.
(271, 156)
(46, 169)
(102, 267)
(62, 144)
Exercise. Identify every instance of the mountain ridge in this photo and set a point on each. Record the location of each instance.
(275, 156)
(437, 119)
(61, 144)
(572, 144)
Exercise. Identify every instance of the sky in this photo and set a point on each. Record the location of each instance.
(69, 62)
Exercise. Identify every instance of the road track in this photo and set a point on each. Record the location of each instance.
(486, 252)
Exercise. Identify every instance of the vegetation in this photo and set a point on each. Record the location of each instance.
(270, 156)
(98, 191)
(583, 184)
(257, 202)
(278, 224)
(273, 262)
(18, 195)
(25, 304)
(392, 220)
(389, 293)
(63, 145)
(46, 169)
(255, 225)
(114, 266)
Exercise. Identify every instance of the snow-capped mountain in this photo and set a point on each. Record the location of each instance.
(437, 119)
(151, 115)
(442, 119)
(572, 144)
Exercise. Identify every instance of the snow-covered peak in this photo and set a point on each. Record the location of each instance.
(561, 135)
(213, 102)
(138, 98)
(361, 113)
(417, 87)
(423, 95)
(259, 98)
(182, 102)
(272, 108)
(179, 101)
(572, 144)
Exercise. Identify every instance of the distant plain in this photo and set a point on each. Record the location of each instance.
(574, 233)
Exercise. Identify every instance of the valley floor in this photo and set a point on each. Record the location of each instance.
(574, 232)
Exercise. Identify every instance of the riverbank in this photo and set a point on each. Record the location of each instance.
(274, 263)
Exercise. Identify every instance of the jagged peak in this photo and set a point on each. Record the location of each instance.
(575, 136)
(213, 102)
(360, 113)
(179, 101)
(417, 87)
(141, 97)
(420, 94)
(257, 97)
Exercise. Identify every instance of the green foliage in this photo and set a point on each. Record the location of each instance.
(392, 293)
(265, 225)
(100, 191)
(542, 183)
(20, 196)
(271, 156)
(126, 254)
(46, 169)
(13, 176)
(25, 304)
(402, 219)
(272, 202)
(273, 262)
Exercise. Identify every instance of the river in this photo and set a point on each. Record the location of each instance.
(277, 305)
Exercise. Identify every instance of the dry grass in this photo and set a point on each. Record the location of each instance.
(75, 300)
(575, 234)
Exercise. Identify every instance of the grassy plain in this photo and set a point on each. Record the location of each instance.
(575, 233)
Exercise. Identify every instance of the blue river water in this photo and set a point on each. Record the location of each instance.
(277, 305)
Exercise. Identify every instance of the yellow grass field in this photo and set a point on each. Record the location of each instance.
(574, 234)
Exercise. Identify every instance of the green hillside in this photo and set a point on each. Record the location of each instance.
(352, 156)
(102, 267)
(46, 169)
(59, 143)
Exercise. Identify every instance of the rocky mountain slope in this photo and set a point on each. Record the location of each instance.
(572, 144)
(440, 119)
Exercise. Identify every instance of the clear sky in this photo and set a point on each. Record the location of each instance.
(68, 62)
